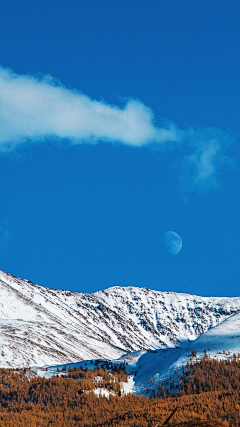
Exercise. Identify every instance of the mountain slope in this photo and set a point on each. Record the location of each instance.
(220, 342)
(41, 326)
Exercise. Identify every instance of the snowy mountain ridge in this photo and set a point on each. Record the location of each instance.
(146, 368)
(41, 326)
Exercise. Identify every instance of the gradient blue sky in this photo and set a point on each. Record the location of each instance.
(88, 215)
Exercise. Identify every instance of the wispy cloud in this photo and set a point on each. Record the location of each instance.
(37, 109)
(204, 154)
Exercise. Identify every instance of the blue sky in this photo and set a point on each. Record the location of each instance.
(119, 121)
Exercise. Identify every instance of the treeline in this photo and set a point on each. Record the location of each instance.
(200, 376)
(105, 376)
(208, 390)
(210, 375)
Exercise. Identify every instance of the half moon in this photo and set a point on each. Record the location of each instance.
(173, 242)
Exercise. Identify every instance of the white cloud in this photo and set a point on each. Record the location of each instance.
(40, 108)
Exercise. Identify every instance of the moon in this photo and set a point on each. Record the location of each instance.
(173, 242)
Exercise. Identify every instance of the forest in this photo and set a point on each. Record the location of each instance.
(205, 389)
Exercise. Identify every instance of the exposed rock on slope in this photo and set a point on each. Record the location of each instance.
(41, 326)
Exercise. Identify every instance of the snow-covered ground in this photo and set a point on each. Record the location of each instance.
(220, 342)
(41, 326)
(147, 367)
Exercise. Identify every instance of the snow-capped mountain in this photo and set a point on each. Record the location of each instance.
(147, 367)
(220, 342)
(41, 326)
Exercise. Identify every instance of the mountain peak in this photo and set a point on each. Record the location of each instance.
(43, 326)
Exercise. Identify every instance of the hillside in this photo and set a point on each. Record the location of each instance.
(41, 326)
